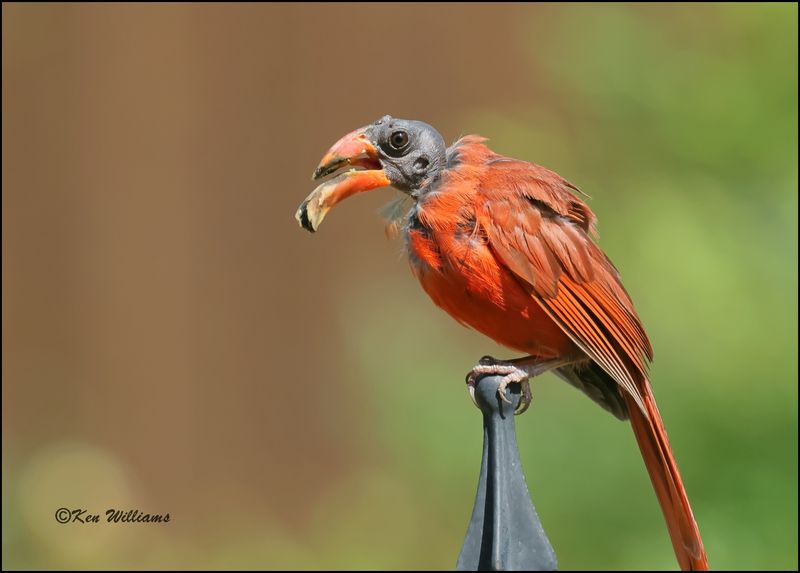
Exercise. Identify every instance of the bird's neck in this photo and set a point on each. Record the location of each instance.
(445, 212)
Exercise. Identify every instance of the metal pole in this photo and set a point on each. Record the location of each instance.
(504, 533)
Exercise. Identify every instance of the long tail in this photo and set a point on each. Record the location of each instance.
(666, 478)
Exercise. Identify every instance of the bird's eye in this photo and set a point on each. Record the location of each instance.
(398, 140)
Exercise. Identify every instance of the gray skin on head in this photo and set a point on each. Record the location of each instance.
(412, 153)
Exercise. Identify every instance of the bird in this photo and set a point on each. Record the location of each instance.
(509, 248)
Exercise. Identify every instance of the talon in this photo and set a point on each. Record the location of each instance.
(501, 391)
(470, 381)
(526, 399)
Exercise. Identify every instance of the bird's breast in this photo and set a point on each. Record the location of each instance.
(451, 256)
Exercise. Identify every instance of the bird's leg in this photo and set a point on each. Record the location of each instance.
(516, 371)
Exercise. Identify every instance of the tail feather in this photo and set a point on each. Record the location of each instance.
(657, 453)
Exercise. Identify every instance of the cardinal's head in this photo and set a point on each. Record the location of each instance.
(406, 154)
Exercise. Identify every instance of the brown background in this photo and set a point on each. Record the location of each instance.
(156, 157)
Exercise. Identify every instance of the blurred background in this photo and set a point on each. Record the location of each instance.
(173, 342)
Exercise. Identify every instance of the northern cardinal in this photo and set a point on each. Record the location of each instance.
(506, 247)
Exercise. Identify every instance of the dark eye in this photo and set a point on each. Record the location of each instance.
(398, 140)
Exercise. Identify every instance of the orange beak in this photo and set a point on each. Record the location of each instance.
(354, 150)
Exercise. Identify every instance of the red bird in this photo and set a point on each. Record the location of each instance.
(506, 247)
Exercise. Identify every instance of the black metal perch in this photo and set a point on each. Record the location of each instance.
(504, 533)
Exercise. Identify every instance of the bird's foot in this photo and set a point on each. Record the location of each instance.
(511, 374)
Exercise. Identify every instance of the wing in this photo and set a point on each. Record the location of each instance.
(541, 230)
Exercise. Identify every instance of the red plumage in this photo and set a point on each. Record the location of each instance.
(505, 247)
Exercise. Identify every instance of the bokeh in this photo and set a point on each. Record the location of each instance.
(173, 342)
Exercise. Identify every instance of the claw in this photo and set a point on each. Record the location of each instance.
(526, 399)
(471, 388)
(501, 390)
